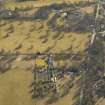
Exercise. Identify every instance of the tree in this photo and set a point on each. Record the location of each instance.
(90, 73)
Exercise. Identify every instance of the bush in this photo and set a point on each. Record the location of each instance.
(6, 14)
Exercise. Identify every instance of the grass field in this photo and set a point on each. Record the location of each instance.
(38, 3)
(15, 90)
(22, 32)
(34, 36)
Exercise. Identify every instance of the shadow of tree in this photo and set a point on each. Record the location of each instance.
(73, 23)
(53, 99)
(5, 62)
(56, 35)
